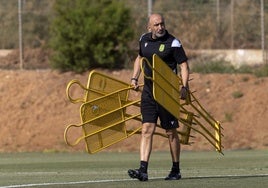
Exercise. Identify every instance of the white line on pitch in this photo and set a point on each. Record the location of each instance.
(122, 180)
(65, 183)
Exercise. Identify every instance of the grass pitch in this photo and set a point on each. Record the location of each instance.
(199, 169)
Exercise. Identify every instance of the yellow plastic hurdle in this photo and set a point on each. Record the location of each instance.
(104, 112)
(107, 113)
(166, 91)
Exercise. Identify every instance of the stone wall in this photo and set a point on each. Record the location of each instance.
(237, 57)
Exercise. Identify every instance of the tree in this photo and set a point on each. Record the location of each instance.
(90, 33)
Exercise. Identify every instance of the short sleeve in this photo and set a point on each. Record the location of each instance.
(178, 51)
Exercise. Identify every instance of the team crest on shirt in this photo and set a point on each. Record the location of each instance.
(161, 47)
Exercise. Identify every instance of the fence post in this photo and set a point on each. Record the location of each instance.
(262, 33)
(20, 34)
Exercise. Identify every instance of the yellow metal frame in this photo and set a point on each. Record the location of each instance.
(107, 114)
(166, 91)
(104, 112)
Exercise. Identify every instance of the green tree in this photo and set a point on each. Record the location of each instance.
(90, 33)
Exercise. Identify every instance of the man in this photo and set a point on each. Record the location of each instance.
(169, 49)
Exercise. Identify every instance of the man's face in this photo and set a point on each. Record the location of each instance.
(157, 26)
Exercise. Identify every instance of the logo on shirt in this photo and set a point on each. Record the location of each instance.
(161, 47)
(146, 44)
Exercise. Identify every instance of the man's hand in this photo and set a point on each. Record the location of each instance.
(184, 92)
(134, 82)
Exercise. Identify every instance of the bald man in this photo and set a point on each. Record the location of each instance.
(169, 49)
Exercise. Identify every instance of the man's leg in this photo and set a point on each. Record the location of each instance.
(146, 141)
(174, 144)
(145, 152)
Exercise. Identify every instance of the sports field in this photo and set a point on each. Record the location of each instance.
(247, 168)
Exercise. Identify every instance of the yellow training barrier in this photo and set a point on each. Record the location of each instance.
(166, 90)
(107, 113)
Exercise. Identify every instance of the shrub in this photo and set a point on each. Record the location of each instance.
(208, 66)
(89, 34)
(228, 117)
(261, 71)
(237, 94)
(212, 67)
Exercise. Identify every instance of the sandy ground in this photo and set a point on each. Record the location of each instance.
(35, 110)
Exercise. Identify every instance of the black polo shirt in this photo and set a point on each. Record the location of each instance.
(168, 48)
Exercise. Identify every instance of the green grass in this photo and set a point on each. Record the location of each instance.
(199, 169)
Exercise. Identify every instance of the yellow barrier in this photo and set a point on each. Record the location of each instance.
(166, 90)
(104, 112)
(107, 114)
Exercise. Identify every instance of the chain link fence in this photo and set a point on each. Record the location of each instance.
(200, 25)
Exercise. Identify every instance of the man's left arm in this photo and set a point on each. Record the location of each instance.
(184, 73)
(185, 77)
(181, 58)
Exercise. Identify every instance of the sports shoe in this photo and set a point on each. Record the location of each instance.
(173, 176)
(136, 173)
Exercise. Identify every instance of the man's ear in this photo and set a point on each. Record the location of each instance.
(149, 29)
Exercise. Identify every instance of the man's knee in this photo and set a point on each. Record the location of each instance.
(172, 134)
(148, 129)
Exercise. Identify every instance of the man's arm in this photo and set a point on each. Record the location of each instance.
(136, 72)
(185, 77)
(184, 73)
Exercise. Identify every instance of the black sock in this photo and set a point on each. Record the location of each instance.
(143, 166)
(176, 167)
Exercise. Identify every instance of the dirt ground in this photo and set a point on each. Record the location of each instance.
(35, 110)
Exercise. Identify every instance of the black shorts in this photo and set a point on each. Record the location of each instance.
(151, 111)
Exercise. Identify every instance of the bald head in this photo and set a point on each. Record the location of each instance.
(156, 25)
(153, 17)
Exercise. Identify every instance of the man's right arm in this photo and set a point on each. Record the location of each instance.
(136, 72)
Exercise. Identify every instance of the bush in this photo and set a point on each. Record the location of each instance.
(237, 94)
(205, 67)
(89, 34)
(213, 67)
(261, 71)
